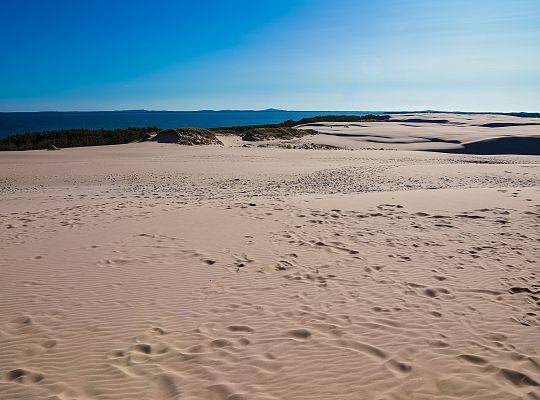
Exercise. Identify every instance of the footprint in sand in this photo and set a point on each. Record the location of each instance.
(219, 343)
(299, 334)
(240, 328)
(517, 378)
(473, 359)
(157, 330)
(24, 376)
(37, 349)
(225, 391)
(398, 366)
(150, 349)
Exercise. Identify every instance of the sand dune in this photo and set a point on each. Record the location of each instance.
(467, 134)
(157, 271)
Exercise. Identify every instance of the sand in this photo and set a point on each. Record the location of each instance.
(158, 271)
(456, 133)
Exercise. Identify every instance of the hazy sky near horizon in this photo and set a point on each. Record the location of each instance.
(474, 55)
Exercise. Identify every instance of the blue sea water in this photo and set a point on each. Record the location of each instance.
(23, 122)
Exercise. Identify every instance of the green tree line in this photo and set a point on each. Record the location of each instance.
(74, 138)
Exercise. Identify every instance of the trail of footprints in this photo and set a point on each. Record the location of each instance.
(34, 343)
(299, 235)
(159, 357)
(170, 361)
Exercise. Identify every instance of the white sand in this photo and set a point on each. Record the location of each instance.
(155, 271)
(427, 132)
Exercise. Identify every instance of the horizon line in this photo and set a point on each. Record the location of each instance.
(278, 110)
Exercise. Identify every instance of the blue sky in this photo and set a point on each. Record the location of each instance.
(296, 54)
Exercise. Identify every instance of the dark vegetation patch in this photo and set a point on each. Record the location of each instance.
(523, 114)
(75, 138)
(338, 118)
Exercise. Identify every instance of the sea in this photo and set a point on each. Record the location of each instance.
(24, 122)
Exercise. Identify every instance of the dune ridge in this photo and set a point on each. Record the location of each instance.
(482, 134)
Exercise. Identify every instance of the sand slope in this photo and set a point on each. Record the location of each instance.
(155, 271)
(455, 133)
